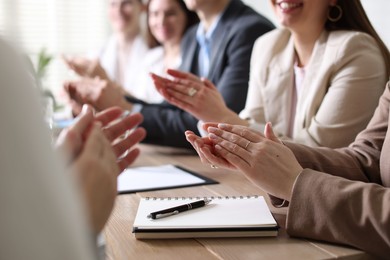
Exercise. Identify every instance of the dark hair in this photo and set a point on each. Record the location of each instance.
(355, 18)
(192, 19)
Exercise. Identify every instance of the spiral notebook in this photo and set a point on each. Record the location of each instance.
(235, 216)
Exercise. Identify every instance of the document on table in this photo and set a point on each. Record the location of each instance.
(158, 177)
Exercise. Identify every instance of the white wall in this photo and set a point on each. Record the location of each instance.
(377, 10)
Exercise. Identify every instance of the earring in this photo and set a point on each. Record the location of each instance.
(335, 18)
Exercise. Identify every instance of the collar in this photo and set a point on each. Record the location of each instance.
(201, 35)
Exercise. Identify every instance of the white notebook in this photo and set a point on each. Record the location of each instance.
(223, 217)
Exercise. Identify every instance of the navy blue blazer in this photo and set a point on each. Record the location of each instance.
(235, 35)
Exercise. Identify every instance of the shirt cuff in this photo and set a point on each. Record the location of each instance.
(202, 132)
(136, 108)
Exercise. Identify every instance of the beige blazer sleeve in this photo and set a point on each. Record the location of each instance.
(334, 209)
(342, 85)
(344, 195)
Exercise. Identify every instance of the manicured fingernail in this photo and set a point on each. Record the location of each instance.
(211, 129)
(222, 126)
(213, 136)
(85, 109)
(125, 114)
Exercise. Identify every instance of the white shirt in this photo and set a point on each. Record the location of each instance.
(152, 62)
(108, 57)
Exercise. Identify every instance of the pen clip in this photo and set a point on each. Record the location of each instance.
(167, 214)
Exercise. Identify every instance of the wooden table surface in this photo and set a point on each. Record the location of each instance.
(121, 243)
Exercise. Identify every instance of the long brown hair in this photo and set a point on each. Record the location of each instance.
(192, 18)
(355, 18)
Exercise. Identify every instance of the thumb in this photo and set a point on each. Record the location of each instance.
(208, 83)
(269, 133)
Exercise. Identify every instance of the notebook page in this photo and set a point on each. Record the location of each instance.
(220, 213)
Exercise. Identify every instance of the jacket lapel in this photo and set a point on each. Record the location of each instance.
(190, 56)
(222, 35)
(278, 82)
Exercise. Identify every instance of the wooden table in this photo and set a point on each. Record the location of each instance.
(121, 243)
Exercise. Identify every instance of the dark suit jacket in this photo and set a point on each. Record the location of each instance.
(235, 35)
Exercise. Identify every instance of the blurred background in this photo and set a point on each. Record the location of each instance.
(55, 27)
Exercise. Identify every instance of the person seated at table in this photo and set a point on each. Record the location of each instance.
(219, 48)
(317, 79)
(118, 60)
(336, 195)
(168, 20)
(52, 209)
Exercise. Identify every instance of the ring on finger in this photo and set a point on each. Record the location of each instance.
(247, 144)
(191, 92)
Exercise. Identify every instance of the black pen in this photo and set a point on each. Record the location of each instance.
(176, 210)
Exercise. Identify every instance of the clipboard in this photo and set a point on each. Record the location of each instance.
(162, 177)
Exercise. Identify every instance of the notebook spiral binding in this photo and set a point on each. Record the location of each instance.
(201, 197)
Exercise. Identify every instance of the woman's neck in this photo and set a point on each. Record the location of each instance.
(210, 12)
(304, 44)
(171, 54)
(125, 40)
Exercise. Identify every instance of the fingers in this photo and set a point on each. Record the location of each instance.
(197, 142)
(182, 75)
(66, 60)
(234, 144)
(83, 121)
(269, 133)
(225, 159)
(206, 125)
(205, 150)
(242, 131)
(218, 135)
(208, 84)
(117, 128)
(122, 148)
(132, 139)
(159, 81)
(128, 159)
(108, 115)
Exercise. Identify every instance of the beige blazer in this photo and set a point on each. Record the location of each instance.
(354, 209)
(343, 82)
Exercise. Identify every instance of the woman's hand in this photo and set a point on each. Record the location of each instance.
(206, 151)
(101, 94)
(97, 156)
(86, 67)
(262, 158)
(96, 173)
(196, 96)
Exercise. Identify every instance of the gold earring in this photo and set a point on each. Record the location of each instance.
(336, 17)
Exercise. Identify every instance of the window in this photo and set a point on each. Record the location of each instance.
(60, 26)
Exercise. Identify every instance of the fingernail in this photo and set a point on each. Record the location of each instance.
(125, 114)
(222, 126)
(213, 136)
(211, 129)
(85, 109)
